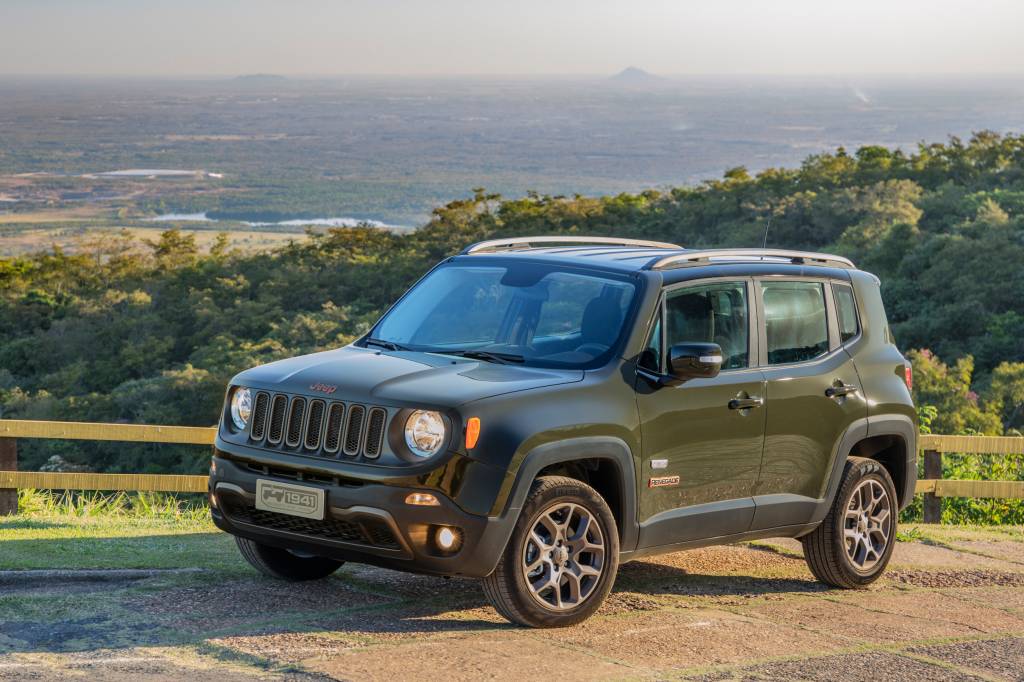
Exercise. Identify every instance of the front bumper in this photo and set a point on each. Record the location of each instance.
(364, 522)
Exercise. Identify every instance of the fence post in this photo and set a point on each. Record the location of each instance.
(8, 462)
(932, 470)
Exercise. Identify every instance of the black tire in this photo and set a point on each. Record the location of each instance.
(507, 588)
(827, 549)
(283, 565)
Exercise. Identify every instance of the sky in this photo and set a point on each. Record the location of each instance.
(501, 37)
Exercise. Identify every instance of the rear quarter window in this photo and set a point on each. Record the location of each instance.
(846, 311)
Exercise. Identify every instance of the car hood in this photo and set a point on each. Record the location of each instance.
(398, 378)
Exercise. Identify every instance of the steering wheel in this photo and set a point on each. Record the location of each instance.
(593, 349)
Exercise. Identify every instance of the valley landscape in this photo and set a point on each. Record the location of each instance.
(287, 154)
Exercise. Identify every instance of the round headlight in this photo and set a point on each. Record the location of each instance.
(241, 407)
(424, 433)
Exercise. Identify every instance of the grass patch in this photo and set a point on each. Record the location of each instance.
(92, 504)
(86, 530)
(911, 534)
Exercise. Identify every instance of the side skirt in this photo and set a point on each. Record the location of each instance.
(779, 532)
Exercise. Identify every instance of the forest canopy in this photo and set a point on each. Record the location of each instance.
(150, 332)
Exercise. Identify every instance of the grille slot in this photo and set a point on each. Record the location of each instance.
(275, 430)
(315, 424)
(295, 414)
(354, 429)
(375, 432)
(258, 426)
(332, 432)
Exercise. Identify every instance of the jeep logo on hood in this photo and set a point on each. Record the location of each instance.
(324, 388)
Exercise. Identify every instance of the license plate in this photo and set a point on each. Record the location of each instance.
(294, 500)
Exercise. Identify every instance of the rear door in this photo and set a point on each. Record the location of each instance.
(813, 395)
(701, 451)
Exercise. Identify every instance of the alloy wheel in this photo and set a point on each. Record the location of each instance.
(867, 525)
(563, 556)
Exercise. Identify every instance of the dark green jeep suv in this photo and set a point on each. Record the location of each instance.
(535, 411)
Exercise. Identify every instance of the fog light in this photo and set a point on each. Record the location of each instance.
(447, 539)
(422, 500)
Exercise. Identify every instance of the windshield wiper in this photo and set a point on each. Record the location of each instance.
(381, 343)
(488, 356)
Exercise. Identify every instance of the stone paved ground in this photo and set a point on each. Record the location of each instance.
(950, 608)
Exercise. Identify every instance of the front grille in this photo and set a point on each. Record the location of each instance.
(295, 415)
(362, 531)
(332, 435)
(316, 426)
(354, 429)
(277, 408)
(375, 432)
(258, 428)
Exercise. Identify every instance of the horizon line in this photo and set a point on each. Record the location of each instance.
(543, 75)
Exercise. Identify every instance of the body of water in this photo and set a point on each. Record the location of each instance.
(292, 222)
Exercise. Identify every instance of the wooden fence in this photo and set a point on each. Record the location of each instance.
(932, 484)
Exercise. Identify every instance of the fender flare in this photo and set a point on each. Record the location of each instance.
(903, 427)
(895, 425)
(608, 448)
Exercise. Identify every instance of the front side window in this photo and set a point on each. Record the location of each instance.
(536, 314)
(796, 324)
(846, 311)
(711, 313)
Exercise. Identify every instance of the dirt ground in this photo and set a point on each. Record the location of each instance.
(950, 607)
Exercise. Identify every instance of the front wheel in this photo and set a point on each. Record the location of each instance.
(283, 564)
(854, 543)
(561, 560)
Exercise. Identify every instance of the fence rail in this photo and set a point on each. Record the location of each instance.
(932, 484)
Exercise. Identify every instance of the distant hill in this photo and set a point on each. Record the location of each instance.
(634, 76)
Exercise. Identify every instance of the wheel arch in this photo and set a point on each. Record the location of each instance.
(888, 438)
(604, 462)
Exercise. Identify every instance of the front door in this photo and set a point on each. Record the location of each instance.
(702, 439)
(813, 396)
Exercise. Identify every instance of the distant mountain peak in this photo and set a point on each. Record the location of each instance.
(633, 74)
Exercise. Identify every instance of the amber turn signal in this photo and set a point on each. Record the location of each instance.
(472, 432)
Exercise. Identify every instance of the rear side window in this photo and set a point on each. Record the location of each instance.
(795, 321)
(846, 311)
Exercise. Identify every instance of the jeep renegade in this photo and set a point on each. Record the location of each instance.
(537, 410)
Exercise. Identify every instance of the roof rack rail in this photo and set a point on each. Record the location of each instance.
(513, 243)
(803, 257)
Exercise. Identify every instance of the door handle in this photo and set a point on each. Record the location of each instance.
(745, 403)
(839, 391)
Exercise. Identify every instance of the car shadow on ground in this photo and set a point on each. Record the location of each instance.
(54, 614)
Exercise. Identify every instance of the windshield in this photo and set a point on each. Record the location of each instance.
(527, 313)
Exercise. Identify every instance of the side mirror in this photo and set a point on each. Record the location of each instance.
(694, 360)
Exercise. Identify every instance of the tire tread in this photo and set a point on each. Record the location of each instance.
(498, 586)
(821, 545)
(278, 564)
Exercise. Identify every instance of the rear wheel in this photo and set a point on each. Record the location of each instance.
(284, 564)
(561, 560)
(854, 543)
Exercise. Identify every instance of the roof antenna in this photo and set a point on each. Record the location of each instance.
(764, 244)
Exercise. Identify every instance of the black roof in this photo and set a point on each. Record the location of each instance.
(631, 259)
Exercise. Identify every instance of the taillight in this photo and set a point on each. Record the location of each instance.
(908, 376)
